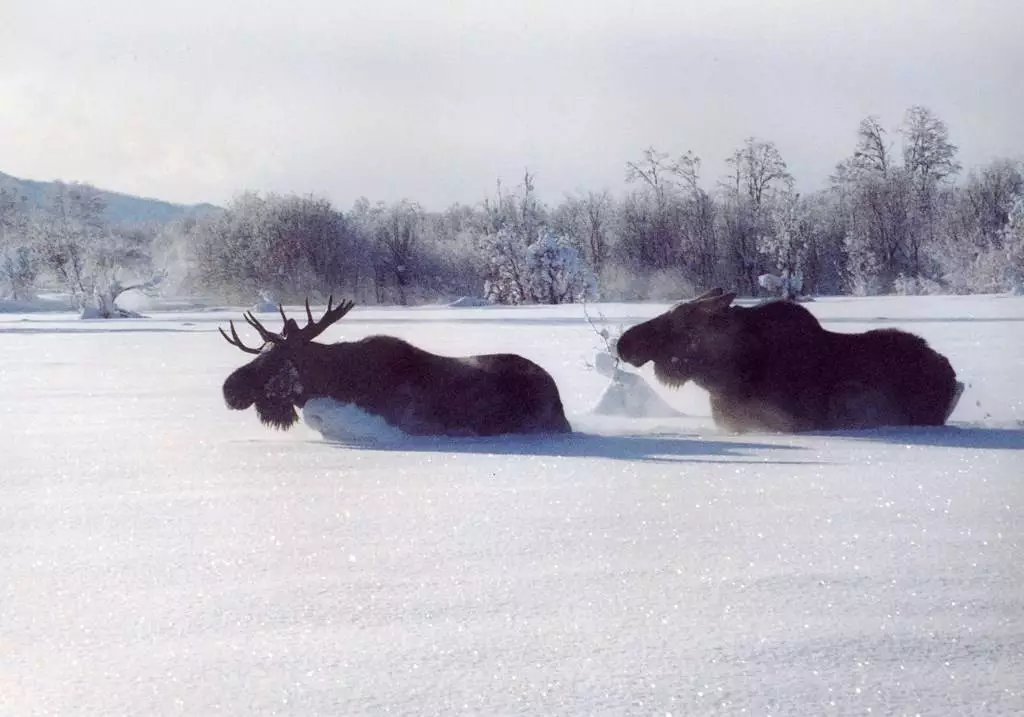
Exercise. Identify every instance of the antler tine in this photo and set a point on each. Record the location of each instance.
(283, 317)
(340, 310)
(235, 340)
(314, 328)
(309, 314)
(267, 336)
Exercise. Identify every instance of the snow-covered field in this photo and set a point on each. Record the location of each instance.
(163, 555)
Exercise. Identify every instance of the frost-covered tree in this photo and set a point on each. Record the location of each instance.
(19, 262)
(1012, 278)
(19, 267)
(863, 264)
(556, 273)
(656, 171)
(972, 225)
(928, 155)
(108, 289)
(506, 255)
(123, 253)
(648, 237)
(825, 258)
(75, 244)
(398, 242)
(514, 223)
(653, 219)
(802, 242)
(786, 243)
(395, 235)
(288, 245)
(929, 161)
(586, 222)
(549, 271)
(757, 170)
(884, 231)
(740, 224)
(71, 227)
(665, 239)
(872, 154)
(757, 176)
(519, 212)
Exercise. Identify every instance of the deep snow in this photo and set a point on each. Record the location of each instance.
(163, 555)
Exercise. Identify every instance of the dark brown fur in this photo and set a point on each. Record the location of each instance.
(773, 367)
(414, 390)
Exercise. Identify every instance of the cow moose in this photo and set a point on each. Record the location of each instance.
(419, 392)
(772, 367)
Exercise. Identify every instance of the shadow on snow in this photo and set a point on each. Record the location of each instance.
(649, 448)
(949, 436)
(678, 448)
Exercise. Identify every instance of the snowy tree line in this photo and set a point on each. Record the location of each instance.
(68, 245)
(895, 217)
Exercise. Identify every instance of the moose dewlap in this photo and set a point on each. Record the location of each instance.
(419, 392)
(772, 367)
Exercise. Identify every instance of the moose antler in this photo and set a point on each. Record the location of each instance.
(235, 341)
(291, 333)
(314, 328)
(268, 336)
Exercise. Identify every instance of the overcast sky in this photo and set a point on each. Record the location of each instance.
(434, 100)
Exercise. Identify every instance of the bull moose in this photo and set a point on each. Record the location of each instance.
(772, 367)
(414, 390)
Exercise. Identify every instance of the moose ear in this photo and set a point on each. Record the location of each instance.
(719, 302)
(291, 328)
(711, 293)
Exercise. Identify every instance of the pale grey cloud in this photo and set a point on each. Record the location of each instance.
(195, 101)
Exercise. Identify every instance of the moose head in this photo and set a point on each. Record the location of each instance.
(276, 380)
(692, 340)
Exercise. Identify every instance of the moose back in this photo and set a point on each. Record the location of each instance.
(772, 367)
(414, 390)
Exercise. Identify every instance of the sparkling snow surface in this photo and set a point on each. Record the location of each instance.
(163, 555)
